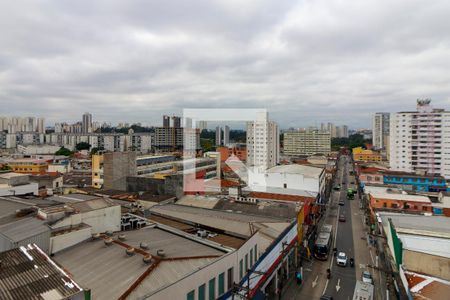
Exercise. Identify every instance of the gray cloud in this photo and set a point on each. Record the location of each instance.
(306, 61)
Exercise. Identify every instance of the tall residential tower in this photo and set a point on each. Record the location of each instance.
(380, 130)
(419, 140)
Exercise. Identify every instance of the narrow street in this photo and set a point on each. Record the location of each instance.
(350, 237)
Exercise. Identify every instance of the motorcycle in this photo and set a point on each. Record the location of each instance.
(352, 262)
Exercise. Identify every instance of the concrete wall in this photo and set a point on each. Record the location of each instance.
(170, 185)
(101, 220)
(31, 188)
(117, 166)
(66, 240)
(42, 240)
(432, 265)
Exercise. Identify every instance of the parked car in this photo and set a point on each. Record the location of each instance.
(337, 187)
(341, 259)
(326, 297)
(341, 202)
(341, 218)
(367, 277)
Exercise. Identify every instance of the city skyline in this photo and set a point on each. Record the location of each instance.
(315, 61)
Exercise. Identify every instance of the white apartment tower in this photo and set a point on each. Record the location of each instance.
(420, 140)
(380, 130)
(226, 135)
(218, 136)
(263, 142)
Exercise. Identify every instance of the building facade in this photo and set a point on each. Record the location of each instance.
(419, 140)
(307, 142)
(263, 142)
(380, 129)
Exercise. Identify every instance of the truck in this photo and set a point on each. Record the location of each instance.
(363, 291)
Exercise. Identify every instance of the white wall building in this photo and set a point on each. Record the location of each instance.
(263, 142)
(420, 140)
(289, 179)
(380, 130)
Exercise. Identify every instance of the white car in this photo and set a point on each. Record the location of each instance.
(367, 277)
(341, 259)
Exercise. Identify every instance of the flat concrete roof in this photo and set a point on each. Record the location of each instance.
(109, 272)
(430, 224)
(394, 194)
(304, 170)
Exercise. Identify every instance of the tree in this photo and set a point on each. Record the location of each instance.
(83, 146)
(95, 150)
(64, 151)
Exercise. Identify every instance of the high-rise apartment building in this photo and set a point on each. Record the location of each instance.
(202, 125)
(263, 142)
(226, 135)
(380, 130)
(86, 126)
(218, 136)
(419, 140)
(307, 142)
(40, 125)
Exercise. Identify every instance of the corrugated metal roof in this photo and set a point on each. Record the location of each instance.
(407, 221)
(232, 222)
(24, 228)
(27, 273)
(168, 271)
(109, 272)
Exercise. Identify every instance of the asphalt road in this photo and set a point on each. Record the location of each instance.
(343, 279)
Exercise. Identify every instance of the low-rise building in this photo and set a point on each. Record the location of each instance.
(28, 165)
(393, 199)
(16, 184)
(418, 250)
(360, 154)
(290, 180)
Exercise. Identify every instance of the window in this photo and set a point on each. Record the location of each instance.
(251, 258)
(201, 292)
(221, 283)
(246, 263)
(212, 289)
(230, 278)
(256, 253)
(285, 185)
(190, 295)
(241, 270)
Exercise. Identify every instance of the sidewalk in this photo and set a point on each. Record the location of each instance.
(365, 254)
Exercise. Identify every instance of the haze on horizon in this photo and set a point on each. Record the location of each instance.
(307, 62)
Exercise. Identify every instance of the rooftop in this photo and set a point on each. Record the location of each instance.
(230, 222)
(424, 224)
(426, 244)
(394, 194)
(426, 287)
(304, 170)
(182, 256)
(10, 175)
(22, 229)
(28, 273)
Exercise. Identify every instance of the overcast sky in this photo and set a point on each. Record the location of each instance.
(306, 61)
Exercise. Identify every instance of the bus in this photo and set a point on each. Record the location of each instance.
(363, 291)
(323, 242)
